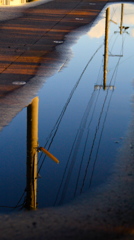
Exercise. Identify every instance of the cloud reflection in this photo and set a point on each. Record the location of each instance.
(128, 20)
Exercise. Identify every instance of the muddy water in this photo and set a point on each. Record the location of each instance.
(82, 119)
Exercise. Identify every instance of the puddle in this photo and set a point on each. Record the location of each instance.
(82, 114)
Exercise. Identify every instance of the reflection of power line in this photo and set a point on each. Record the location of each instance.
(74, 149)
(97, 128)
(72, 164)
(69, 172)
(102, 128)
(114, 74)
(18, 205)
(78, 138)
(57, 124)
(114, 43)
(74, 156)
(100, 138)
(94, 139)
(121, 53)
(97, 151)
(118, 62)
(64, 173)
(84, 149)
(78, 133)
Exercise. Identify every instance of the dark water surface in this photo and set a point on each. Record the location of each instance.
(80, 122)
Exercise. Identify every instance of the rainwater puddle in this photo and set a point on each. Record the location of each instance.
(82, 119)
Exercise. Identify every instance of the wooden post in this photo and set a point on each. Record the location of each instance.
(32, 154)
(121, 21)
(106, 47)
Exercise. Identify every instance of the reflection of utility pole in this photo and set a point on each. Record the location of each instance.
(106, 47)
(32, 154)
(104, 86)
(121, 21)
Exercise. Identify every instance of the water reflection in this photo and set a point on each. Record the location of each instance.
(77, 125)
(32, 155)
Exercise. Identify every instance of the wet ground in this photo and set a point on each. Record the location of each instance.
(81, 121)
(109, 208)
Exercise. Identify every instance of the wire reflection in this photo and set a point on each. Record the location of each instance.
(30, 201)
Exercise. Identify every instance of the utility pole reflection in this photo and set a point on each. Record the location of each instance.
(106, 47)
(32, 154)
(121, 21)
(121, 27)
(104, 86)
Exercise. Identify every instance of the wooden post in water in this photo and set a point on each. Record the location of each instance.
(106, 47)
(32, 154)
